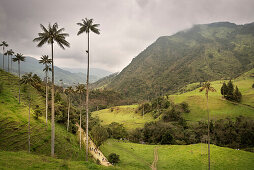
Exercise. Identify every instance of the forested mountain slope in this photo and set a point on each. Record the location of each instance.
(205, 52)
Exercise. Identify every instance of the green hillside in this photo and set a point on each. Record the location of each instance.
(14, 124)
(140, 156)
(23, 160)
(218, 106)
(204, 52)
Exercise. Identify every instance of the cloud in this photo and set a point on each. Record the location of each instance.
(127, 27)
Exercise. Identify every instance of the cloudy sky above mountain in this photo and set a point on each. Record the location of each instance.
(127, 26)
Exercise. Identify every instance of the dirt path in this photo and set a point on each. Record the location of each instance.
(93, 150)
(236, 103)
(156, 158)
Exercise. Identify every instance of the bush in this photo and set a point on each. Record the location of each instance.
(185, 107)
(37, 112)
(253, 85)
(117, 130)
(113, 158)
(1, 87)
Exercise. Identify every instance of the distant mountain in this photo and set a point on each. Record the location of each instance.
(204, 52)
(32, 65)
(100, 73)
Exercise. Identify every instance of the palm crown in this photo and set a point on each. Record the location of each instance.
(87, 25)
(19, 57)
(45, 60)
(80, 88)
(207, 87)
(27, 79)
(4, 44)
(9, 52)
(51, 35)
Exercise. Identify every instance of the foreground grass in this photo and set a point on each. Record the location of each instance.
(138, 156)
(125, 115)
(24, 160)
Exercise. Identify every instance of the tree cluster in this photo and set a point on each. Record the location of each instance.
(230, 92)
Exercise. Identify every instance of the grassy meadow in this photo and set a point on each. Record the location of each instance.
(125, 115)
(139, 156)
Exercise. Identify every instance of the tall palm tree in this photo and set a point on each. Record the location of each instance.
(28, 79)
(9, 53)
(46, 61)
(4, 44)
(69, 91)
(49, 36)
(207, 87)
(18, 58)
(80, 89)
(86, 26)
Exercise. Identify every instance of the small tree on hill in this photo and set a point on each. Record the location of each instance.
(237, 95)
(224, 89)
(113, 158)
(230, 90)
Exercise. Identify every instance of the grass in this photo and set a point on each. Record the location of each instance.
(24, 160)
(219, 107)
(138, 156)
(125, 115)
(14, 125)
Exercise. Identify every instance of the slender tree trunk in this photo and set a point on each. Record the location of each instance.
(3, 57)
(46, 97)
(11, 64)
(68, 120)
(8, 63)
(29, 126)
(52, 108)
(208, 130)
(19, 81)
(87, 97)
(80, 121)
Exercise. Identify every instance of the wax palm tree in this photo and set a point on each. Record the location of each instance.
(18, 58)
(69, 91)
(4, 44)
(28, 80)
(87, 26)
(9, 53)
(49, 36)
(80, 89)
(207, 87)
(46, 61)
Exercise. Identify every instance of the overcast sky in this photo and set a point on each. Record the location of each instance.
(127, 26)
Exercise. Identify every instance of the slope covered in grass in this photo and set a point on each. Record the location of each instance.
(14, 124)
(23, 160)
(125, 115)
(138, 156)
(218, 106)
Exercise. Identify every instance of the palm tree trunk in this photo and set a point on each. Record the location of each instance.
(8, 63)
(19, 81)
(3, 57)
(46, 97)
(87, 97)
(68, 120)
(80, 121)
(11, 64)
(143, 111)
(29, 127)
(208, 130)
(52, 108)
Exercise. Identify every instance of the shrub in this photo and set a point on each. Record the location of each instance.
(113, 158)
(1, 87)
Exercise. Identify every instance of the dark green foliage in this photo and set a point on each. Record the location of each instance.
(253, 85)
(1, 87)
(185, 107)
(37, 112)
(99, 134)
(231, 93)
(224, 89)
(113, 158)
(116, 130)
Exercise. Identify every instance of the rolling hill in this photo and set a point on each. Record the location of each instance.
(214, 51)
(68, 75)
